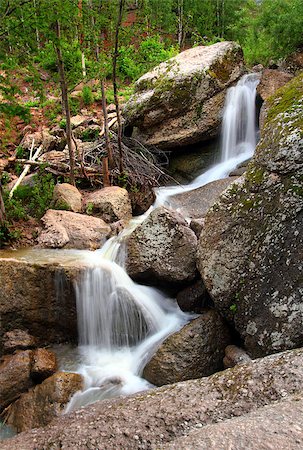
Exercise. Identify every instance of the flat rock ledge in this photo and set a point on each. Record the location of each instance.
(158, 417)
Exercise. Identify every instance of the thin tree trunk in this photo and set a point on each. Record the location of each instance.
(109, 157)
(81, 38)
(180, 23)
(2, 208)
(66, 106)
(116, 54)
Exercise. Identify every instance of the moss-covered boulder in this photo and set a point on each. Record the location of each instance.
(180, 101)
(250, 250)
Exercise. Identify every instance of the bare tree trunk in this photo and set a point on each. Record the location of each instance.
(81, 40)
(66, 106)
(2, 208)
(109, 158)
(180, 23)
(116, 54)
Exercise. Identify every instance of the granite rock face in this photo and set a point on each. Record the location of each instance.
(110, 204)
(39, 297)
(66, 229)
(44, 402)
(250, 249)
(180, 102)
(162, 249)
(195, 351)
(67, 196)
(160, 416)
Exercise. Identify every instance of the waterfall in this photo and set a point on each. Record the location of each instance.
(238, 137)
(120, 322)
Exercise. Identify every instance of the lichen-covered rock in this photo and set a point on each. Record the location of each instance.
(250, 250)
(67, 196)
(44, 402)
(275, 426)
(18, 340)
(39, 297)
(180, 102)
(66, 229)
(195, 351)
(110, 203)
(162, 249)
(15, 376)
(153, 418)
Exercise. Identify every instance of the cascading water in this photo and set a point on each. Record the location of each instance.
(120, 322)
(238, 137)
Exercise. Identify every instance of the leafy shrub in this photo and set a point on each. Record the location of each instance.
(87, 95)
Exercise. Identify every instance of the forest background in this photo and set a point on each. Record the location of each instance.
(150, 32)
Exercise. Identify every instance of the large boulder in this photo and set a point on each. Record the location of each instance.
(195, 351)
(159, 416)
(180, 102)
(44, 402)
(38, 296)
(67, 196)
(18, 340)
(250, 250)
(194, 298)
(275, 426)
(110, 203)
(162, 249)
(66, 229)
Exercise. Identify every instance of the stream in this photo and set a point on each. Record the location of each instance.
(122, 323)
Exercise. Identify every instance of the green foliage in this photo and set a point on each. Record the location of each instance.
(233, 308)
(90, 134)
(134, 62)
(62, 124)
(89, 208)
(87, 96)
(30, 200)
(74, 106)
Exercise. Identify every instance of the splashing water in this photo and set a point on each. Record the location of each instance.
(122, 323)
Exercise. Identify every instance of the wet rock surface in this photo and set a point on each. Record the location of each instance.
(195, 351)
(180, 102)
(162, 249)
(196, 203)
(235, 355)
(39, 297)
(44, 402)
(271, 80)
(44, 364)
(250, 249)
(65, 229)
(152, 419)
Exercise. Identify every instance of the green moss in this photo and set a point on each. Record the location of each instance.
(255, 175)
(286, 99)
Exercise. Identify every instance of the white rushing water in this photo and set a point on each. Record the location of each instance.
(120, 322)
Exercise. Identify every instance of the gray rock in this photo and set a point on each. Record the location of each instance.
(195, 351)
(197, 226)
(250, 249)
(110, 203)
(65, 229)
(159, 416)
(180, 102)
(196, 203)
(67, 196)
(162, 249)
(277, 426)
